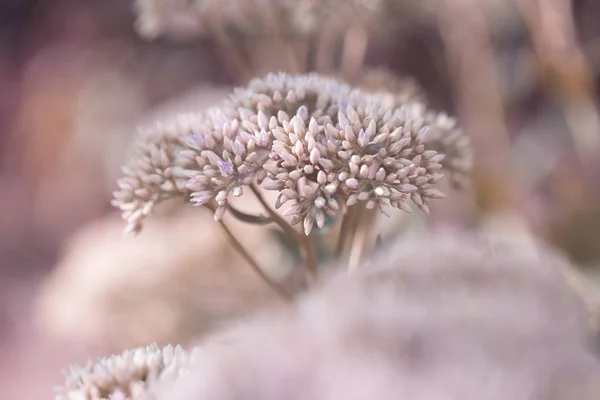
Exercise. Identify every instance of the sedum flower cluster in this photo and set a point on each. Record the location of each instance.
(321, 144)
(126, 376)
(483, 316)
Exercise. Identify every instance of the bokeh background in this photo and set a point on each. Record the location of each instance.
(78, 77)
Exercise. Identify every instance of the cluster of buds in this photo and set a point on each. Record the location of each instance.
(126, 376)
(320, 143)
(153, 172)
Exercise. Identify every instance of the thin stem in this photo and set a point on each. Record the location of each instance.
(305, 241)
(253, 263)
(356, 221)
(343, 234)
(278, 219)
(349, 231)
(248, 218)
(364, 224)
(311, 258)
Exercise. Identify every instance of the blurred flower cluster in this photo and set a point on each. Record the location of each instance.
(362, 331)
(123, 376)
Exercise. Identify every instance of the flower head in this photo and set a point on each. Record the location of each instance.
(237, 139)
(368, 154)
(125, 376)
(226, 155)
(317, 141)
(154, 171)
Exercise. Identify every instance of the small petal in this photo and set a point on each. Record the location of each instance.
(320, 202)
(219, 212)
(352, 183)
(308, 225)
(326, 163)
(315, 155)
(434, 193)
(320, 219)
(352, 200)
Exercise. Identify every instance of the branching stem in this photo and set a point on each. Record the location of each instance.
(237, 245)
(305, 242)
(364, 225)
(248, 218)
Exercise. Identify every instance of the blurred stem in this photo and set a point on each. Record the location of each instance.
(354, 233)
(356, 41)
(470, 56)
(278, 40)
(306, 242)
(359, 210)
(347, 223)
(364, 226)
(270, 54)
(564, 64)
(325, 40)
(302, 50)
(233, 59)
(285, 47)
(239, 247)
(311, 258)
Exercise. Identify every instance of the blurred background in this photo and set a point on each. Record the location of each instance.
(78, 77)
